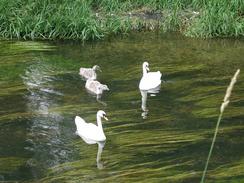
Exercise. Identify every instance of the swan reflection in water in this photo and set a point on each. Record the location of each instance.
(92, 134)
(144, 94)
(99, 154)
(98, 97)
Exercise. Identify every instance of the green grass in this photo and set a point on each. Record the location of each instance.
(219, 19)
(95, 19)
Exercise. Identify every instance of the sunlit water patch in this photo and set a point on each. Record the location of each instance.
(41, 93)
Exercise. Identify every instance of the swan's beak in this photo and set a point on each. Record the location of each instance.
(105, 118)
(148, 69)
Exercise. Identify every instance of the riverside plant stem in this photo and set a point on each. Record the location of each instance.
(222, 108)
(96, 19)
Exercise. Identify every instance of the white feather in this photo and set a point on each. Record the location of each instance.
(149, 80)
(90, 132)
(95, 86)
(89, 73)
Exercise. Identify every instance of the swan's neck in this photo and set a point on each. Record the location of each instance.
(94, 76)
(99, 123)
(144, 69)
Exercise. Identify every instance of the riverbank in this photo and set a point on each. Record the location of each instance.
(92, 19)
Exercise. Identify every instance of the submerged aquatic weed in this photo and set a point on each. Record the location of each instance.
(222, 108)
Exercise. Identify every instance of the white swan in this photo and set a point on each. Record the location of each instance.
(90, 132)
(95, 86)
(88, 73)
(149, 80)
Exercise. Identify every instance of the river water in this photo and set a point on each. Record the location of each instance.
(41, 93)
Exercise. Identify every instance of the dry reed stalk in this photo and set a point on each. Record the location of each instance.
(222, 108)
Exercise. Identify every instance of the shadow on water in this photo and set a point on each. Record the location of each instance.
(41, 92)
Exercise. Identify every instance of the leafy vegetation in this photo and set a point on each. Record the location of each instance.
(219, 18)
(93, 19)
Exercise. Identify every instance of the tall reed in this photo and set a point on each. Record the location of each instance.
(222, 108)
(218, 18)
(95, 19)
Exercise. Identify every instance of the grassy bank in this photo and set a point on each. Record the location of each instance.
(95, 19)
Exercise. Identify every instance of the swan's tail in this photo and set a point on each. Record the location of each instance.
(159, 74)
(81, 71)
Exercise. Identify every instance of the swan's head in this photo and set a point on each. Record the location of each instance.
(104, 87)
(145, 65)
(102, 114)
(96, 68)
(101, 88)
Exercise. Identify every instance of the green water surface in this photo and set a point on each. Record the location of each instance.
(41, 92)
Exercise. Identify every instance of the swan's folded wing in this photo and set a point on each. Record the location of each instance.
(86, 72)
(156, 75)
(91, 132)
(83, 126)
(92, 85)
(79, 122)
(150, 80)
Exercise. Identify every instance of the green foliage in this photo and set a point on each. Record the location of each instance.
(94, 19)
(49, 20)
(219, 18)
